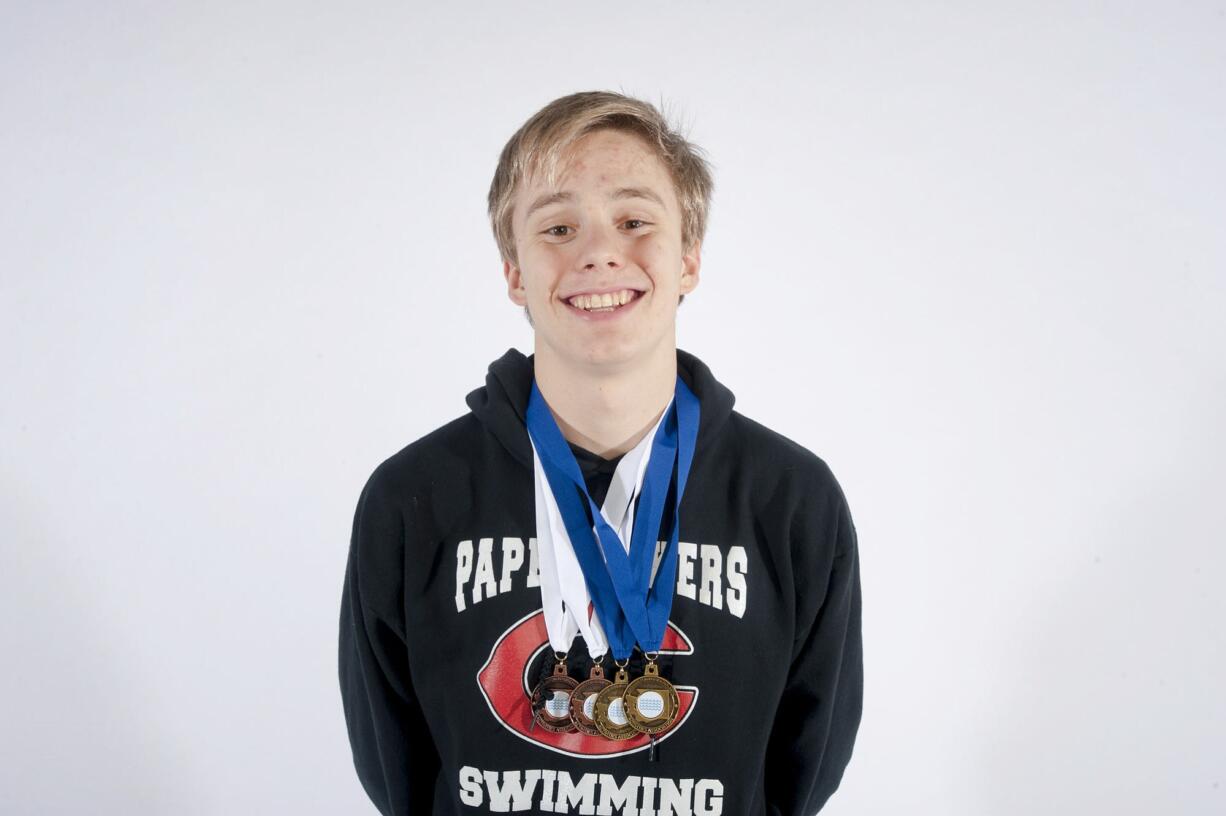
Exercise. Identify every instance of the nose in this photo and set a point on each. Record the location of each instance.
(601, 249)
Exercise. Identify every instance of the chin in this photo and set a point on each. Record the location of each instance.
(601, 351)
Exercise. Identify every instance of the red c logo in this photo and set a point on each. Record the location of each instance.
(504, 683)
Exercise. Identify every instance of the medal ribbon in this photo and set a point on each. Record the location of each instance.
(564, 596)
(632, 607)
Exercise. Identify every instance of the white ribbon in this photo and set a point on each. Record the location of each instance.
(564, 595)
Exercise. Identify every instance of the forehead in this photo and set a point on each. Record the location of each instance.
(611, 151)
(605, 162)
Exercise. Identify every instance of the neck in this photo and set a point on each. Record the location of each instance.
(606, 410)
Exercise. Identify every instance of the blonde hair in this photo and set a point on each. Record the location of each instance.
(541, 146)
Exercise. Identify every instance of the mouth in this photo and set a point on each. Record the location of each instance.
(605, 303)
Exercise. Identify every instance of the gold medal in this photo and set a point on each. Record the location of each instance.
(610, 714)
(583, 700)
(651, 703)
(551, 699)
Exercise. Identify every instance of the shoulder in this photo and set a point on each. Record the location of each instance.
(794, 483)
(781, 463)
(439, 452)
(421, 478)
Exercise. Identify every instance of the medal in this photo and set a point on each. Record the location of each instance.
(583, 700)
(651, 701)
(610, 709)
(566, 604)
(551, 699)
(630, 590)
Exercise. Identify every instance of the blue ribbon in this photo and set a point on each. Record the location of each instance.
(631, 607)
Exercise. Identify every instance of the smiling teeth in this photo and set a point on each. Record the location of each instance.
(605, 301)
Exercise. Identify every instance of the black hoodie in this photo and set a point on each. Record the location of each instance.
(441, 636)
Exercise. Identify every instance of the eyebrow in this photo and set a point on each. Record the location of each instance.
(637, 192)
(546, 200)
(617, 195)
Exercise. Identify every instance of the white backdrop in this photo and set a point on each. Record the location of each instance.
(971, 254)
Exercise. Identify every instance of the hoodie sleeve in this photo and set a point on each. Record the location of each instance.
(393, 753)
(819, 713)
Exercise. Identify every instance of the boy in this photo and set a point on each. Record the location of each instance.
(601, 590)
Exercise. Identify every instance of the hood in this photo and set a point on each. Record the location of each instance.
(501, 405)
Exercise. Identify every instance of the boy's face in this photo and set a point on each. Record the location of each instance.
(612, 224)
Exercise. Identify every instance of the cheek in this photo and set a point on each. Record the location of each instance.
(541, 273)
(662, 260)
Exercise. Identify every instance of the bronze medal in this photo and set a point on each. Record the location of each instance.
(610, 715)
(650, 702)
(583, 701)
(551, 699)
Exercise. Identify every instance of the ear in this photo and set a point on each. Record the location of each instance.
(515, 283)
(691, 262)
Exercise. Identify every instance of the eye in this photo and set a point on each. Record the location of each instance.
(635, 223)
(551, 231)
